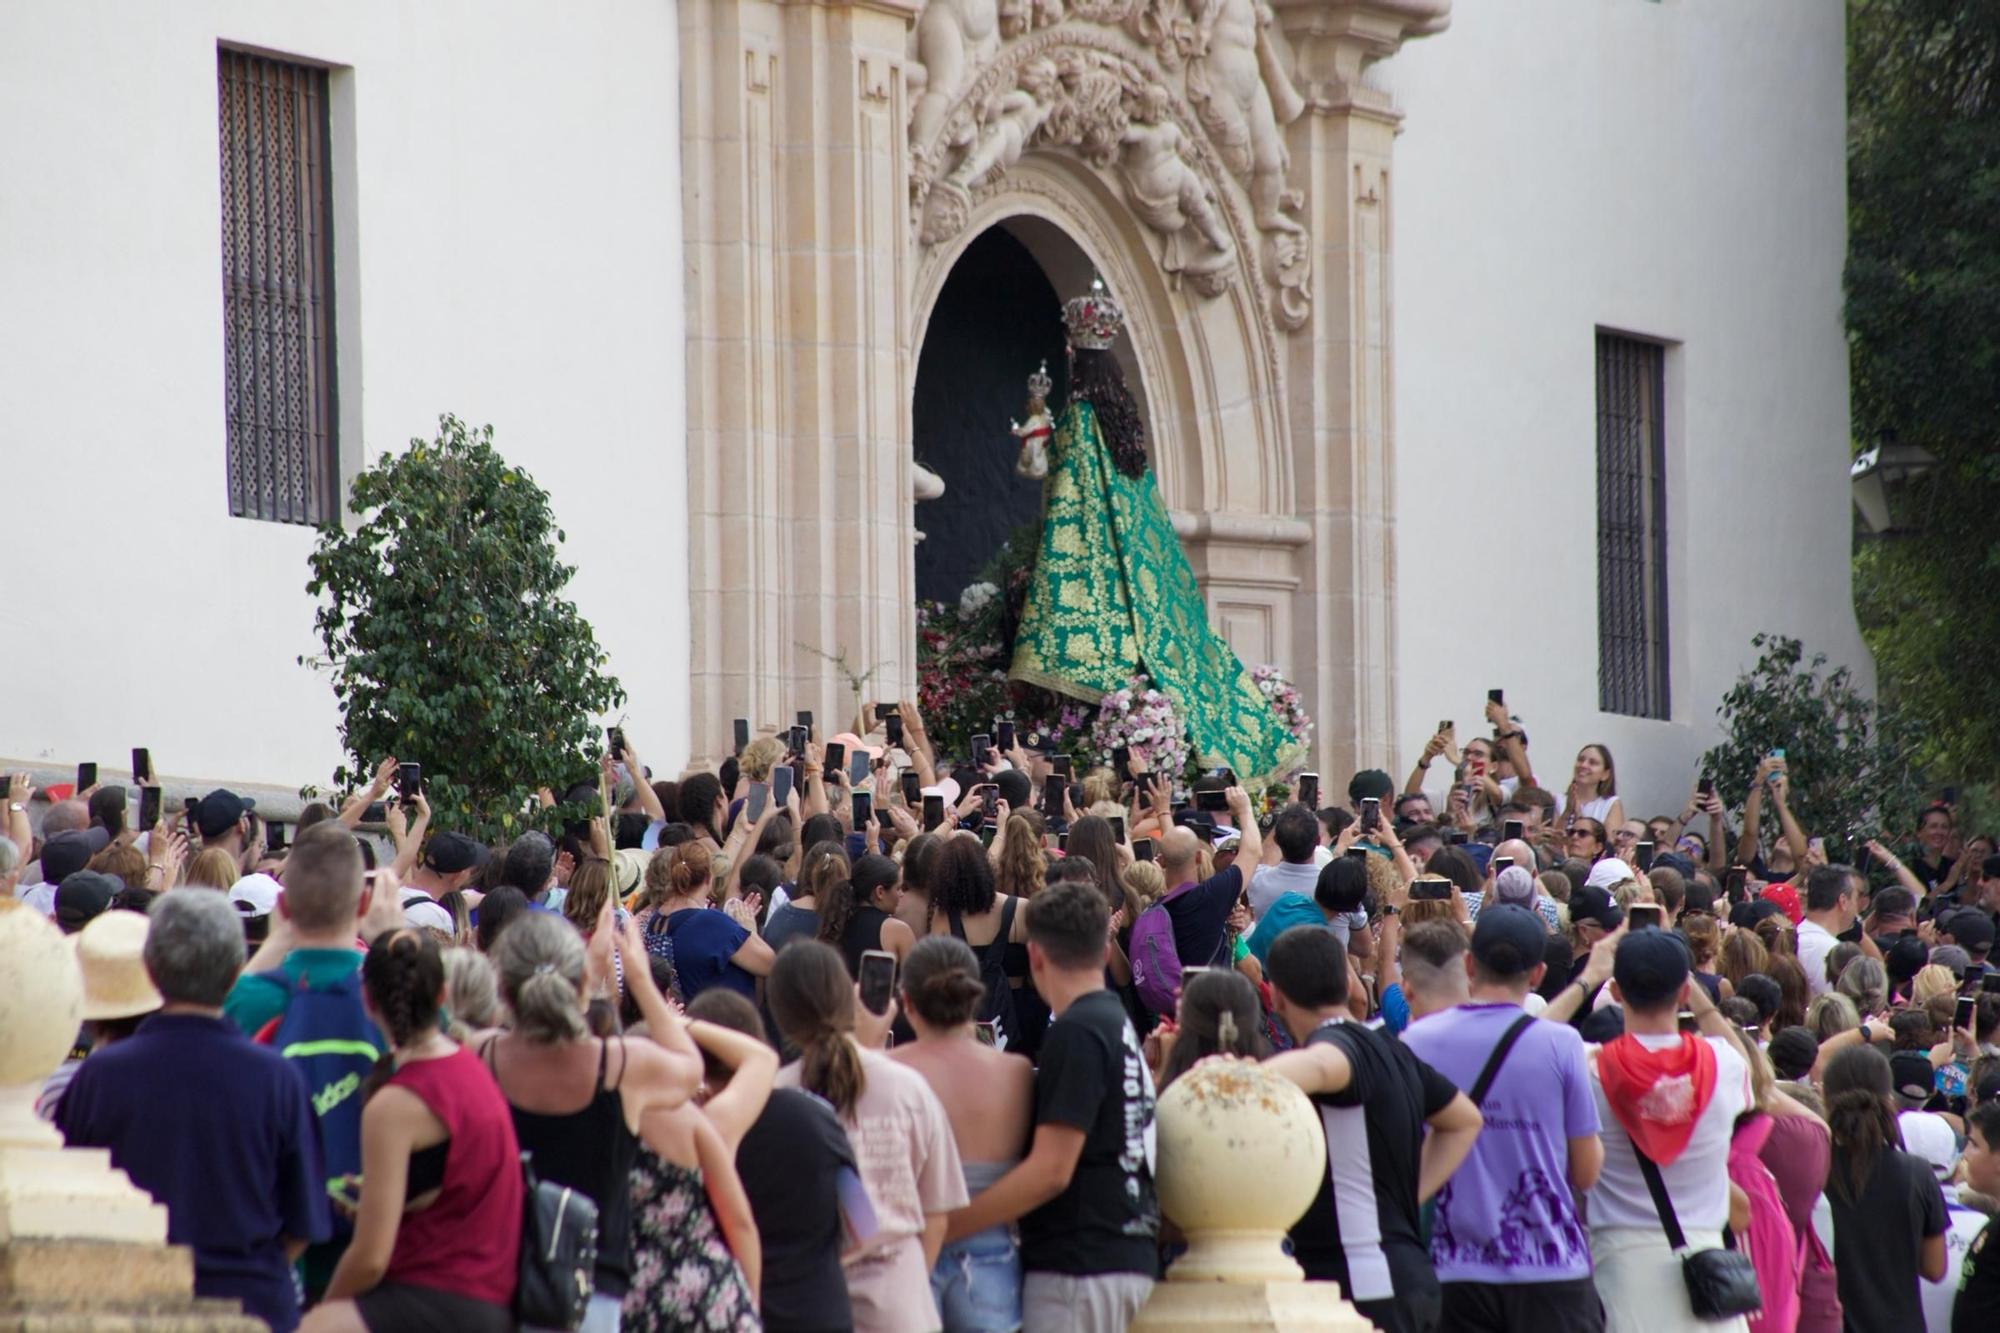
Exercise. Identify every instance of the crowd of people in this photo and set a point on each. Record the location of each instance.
(853, 1032)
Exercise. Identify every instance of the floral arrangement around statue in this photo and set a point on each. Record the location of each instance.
(1141, 719)
(1285, 698)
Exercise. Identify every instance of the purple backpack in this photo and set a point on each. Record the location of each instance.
(1156, 963)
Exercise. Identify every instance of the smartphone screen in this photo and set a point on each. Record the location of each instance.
(274, 837)
(1706, 786)
(1142, 850)
(142, 767)
(987, 833)
(1003, 736)
(1425, 889)
(892, 728)
(742, 734)
(188, 808)
(857, 767)
(1357, 853)
(754, 803)
(796, 738)
(805, 720)
(1968, 1011)
(1512, 830)
(987, 1032)
(1456, 837)
(410, 778)
(1061, 764)
(1371, 814)
(781, 785)
(864, 809)
(1446, 727)
(989, 801)
(149, 808)
(1733, 881)
(615, 736)
(86, 777)
(1497, 697)
(1309, 790)
(1501, 863)
(1118, 828)
(1646, 916)
(1052, 795)
(836, 759)
(980, 745)
(913, 789)
(933, 810)
(1642, 855)
(1211, 800)
(878, 980)
(1990, 983)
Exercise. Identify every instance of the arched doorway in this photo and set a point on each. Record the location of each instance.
(997, 318)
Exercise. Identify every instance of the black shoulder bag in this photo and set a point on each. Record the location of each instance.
(558, 1253)
(1721, 1283)
(1484, 1082)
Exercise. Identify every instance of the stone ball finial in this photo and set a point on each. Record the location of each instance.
(1241, 1155)
(41, 1006)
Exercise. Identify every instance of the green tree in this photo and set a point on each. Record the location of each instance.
(1850, 764)
(1923, 317)
(447, 636)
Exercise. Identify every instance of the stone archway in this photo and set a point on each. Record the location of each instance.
(1228, 173)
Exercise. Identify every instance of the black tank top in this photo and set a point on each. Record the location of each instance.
(864, 932)
(591, 1151)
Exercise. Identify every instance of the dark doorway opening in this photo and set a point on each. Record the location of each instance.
(997, 319)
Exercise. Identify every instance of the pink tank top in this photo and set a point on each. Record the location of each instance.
(1772, 1244)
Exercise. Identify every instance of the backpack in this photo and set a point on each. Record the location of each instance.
(996, 1006)
(326, 1035)
(558, 1269)
(1156, 962)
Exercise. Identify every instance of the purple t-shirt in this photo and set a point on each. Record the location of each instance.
(1507, 1215)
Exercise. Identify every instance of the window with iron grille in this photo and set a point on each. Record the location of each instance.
(277, 289)
(1631, 527)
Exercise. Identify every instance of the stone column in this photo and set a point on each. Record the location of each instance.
(793, 194)
(1341, 372)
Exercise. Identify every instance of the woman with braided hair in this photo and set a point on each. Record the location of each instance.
(438, 1228)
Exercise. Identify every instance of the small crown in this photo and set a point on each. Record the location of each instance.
(1039, 383)
(1095, 319)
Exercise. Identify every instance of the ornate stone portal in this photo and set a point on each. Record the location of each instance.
(1222, 163)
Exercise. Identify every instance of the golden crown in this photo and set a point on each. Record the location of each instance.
(1095, 319)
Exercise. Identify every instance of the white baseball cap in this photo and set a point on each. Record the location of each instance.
(255, 895)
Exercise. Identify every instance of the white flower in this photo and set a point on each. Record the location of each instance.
(975, 598)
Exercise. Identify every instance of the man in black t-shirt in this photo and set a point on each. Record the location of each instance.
(1374, 1098)
(1977, 1305)
(1201, 914)
(1084, 1197)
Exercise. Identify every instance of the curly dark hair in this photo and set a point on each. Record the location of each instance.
(1097, 378)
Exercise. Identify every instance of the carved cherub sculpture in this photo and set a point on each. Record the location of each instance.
(1035, 431)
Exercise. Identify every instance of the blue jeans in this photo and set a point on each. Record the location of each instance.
(977, 1284)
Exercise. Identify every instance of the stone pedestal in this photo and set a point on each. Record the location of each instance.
(81, 1248)
(1241, 1157)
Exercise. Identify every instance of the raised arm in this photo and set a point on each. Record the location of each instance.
(1795, 837)
(754, 1067)
(357, 804)
(1250, 844)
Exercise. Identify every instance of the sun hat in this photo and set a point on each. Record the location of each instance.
(111, 952)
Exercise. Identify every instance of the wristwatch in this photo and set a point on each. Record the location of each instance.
(1390, 909)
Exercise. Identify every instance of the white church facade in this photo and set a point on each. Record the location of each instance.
(1488, 345)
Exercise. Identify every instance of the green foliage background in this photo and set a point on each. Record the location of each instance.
(1850, 764)
(1923, 316)
(447, 636)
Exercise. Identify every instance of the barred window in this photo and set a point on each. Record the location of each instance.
(277, 289)
(1631, 527)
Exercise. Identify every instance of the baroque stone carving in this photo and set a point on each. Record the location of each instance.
(1170, 99)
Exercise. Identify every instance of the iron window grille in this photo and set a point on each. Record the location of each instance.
(1631, 527)
(277, 289)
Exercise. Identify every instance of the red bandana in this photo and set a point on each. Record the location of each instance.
(1657, 1095)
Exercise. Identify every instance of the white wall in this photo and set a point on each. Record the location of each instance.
(516, 187)
(1670, 169)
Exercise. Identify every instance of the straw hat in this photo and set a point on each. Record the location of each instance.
(110, 950)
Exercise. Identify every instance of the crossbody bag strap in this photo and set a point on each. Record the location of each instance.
(1484, 1082)
(1663, 1205)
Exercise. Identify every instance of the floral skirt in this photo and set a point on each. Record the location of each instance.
(684, 1279)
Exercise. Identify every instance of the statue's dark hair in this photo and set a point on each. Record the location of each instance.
(1097, 378)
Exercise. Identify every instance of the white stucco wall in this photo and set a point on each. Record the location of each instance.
(1674, 170)
(514, 210)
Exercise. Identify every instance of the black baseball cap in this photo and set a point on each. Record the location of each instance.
(82, 896)
(1509, 941)
(1905, 958)
(1650, 968)
(448, 853)
(1590, 903)
(1972, 928)
(69, 851)
(1914, 1077)
(219, 811)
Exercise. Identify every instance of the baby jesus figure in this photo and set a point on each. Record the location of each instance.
(1035, 431)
